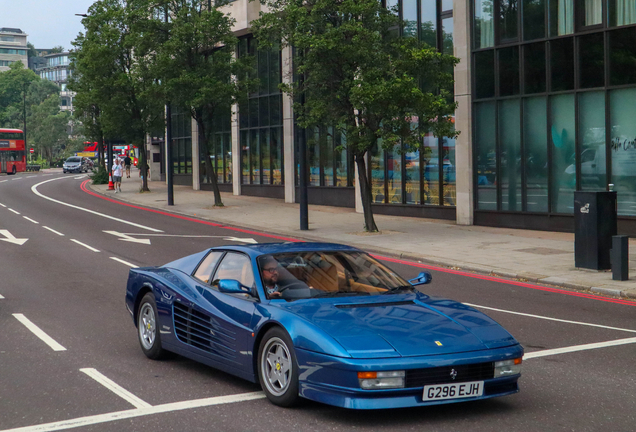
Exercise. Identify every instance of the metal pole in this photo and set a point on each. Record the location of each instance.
(302, 155)
(169, 165)
(169, 154)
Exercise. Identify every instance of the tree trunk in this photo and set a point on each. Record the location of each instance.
(365, 191)
(209, 168)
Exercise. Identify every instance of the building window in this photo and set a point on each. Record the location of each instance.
(622, 12)
(219, 149)
(623, 148)
(181, 141)
(261, 120)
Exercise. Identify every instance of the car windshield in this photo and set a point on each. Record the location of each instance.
(73, 159)
(326, 274)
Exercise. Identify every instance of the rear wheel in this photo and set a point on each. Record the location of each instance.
(147, 322)
(278, 368)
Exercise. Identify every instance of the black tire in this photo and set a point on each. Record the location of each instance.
(147, 328)
(278, 368)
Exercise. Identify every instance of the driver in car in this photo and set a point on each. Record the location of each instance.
(270, 277)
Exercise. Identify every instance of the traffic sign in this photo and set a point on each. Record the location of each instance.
(31, 150)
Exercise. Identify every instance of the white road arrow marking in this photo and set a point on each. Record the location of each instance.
(11, 238)
(125, 237)
(242, 240)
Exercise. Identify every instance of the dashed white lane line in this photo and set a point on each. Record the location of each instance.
(53, 231)
(575, 348)
(551, 319)
(3, 205)
(16, 212)
(30, 176)
(31, 220)
(1, 297)
(85, 245)
(121, 415)
(124, 262)
(34, 188)
(2, 181)
(39, 333)
(115, 388)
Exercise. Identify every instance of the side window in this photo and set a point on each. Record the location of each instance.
(238, 267)
(204, 272)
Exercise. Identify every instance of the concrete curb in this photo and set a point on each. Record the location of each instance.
(423, 259)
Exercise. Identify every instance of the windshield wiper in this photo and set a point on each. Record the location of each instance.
(398, 289)
(341, 293)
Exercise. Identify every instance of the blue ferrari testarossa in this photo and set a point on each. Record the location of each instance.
(325, 322)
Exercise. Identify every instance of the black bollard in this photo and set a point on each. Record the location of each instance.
(620, 256)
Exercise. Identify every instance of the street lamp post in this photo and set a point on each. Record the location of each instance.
(169, 144)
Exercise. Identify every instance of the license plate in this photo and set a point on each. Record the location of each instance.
(453, 391)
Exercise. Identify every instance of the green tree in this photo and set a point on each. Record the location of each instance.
(192, 56)
(104, 62)
(361, 78)
(48, 129)
(56, 49)
(14, 85)
(32, 52)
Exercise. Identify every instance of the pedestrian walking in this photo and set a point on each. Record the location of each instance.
(127, 162)
(117, 173)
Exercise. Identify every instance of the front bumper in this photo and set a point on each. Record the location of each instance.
(333, 380)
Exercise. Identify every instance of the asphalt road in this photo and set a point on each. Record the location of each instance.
(68, 279)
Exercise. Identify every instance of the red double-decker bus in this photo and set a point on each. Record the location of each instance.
(12, 152)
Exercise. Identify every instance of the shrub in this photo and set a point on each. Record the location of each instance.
(100, 175)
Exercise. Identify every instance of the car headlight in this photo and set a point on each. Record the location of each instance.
(507, 368)
(381, 380)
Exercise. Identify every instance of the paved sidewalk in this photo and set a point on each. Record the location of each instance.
(536, 256)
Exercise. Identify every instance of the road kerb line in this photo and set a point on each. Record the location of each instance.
(551, 319)
(576, 348)
(85, 245)
(121, 415)
(16, 212)
(31, 220)
(39, 333)
(115, 388)
(53, 231)
(123, 262)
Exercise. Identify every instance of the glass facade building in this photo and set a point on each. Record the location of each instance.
(553, 105)
(261, 120)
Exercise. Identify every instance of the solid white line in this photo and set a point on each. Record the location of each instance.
(39, 333)
(121, 415)
(115, 388)
(551, 319)
(575, 348)
(14, 211)
(53, 231)
(31, 220)
(124, 262)
(34, 188)
(85, 245)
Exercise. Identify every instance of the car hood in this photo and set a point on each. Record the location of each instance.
(402, 325)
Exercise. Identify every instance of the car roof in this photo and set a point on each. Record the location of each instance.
(274, 248)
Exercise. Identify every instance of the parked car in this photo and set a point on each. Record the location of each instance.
(75, 164)
(343, 329)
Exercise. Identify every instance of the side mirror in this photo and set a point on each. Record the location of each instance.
(231, 286)
(422, 279)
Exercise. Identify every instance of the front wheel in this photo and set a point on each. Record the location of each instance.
(278, 368)
(147, 322)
